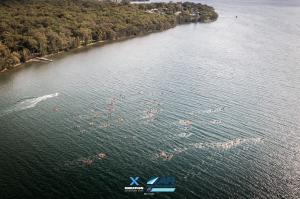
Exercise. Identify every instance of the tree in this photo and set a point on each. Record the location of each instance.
(86, 35)
(41, 38)
(30, 28)
(4, 54)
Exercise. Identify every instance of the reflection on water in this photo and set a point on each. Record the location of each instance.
(215, 105)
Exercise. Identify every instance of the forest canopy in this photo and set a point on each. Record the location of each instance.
(32, 28)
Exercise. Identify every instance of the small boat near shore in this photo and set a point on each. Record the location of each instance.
(44, 59)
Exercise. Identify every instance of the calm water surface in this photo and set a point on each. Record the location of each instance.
(221, 99)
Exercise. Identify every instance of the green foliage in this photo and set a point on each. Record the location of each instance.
(30, 28)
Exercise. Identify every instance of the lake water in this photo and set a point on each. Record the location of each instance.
(220, 99)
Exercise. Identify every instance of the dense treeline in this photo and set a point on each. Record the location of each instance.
(31, 28)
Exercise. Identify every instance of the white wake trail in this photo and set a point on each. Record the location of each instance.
(28, 103)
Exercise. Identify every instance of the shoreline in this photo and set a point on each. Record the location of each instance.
(43, 59)
(92, 44)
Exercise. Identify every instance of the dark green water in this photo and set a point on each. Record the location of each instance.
(222, 98)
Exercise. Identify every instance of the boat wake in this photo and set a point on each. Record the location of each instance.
(28, 103)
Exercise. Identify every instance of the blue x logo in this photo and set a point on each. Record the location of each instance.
(134, 181)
